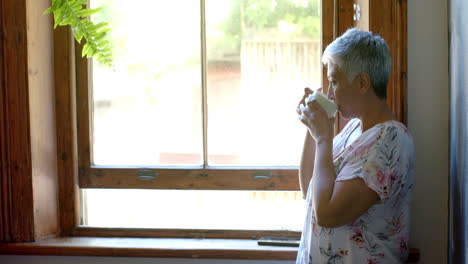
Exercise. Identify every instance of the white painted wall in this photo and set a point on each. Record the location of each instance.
(428, 118)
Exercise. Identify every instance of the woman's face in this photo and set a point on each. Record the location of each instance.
(341, 90)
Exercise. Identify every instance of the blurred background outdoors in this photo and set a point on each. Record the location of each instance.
(147, 109)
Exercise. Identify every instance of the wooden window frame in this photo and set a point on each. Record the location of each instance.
(19, 212)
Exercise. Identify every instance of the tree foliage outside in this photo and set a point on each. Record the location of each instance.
(301, 17)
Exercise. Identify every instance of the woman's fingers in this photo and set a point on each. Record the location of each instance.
(307, 92)
(305, 108)
(300, 108)
(302, 101)
(314, 105)
(309, 114)
(304, 120)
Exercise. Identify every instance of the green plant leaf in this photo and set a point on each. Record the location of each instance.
(74, 13)
(85, 49)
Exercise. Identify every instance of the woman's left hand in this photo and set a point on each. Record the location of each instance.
(316, 119)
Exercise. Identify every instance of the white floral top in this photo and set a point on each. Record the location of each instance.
(383, 156)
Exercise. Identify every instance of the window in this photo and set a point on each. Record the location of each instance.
(200, 98)
(185, 96)
(200, 105)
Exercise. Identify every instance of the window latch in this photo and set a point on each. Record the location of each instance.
(147, 175)
(262, 175)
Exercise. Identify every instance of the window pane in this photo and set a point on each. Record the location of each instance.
(241, 210)
(147, 109)
(260, 56)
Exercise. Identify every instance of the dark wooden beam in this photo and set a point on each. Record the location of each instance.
(16, 206)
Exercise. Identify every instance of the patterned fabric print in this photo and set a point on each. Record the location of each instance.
(383, 157)
(333, 257)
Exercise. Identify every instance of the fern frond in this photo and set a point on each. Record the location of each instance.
(74, 13)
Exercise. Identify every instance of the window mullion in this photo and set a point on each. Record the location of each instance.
(204, 83)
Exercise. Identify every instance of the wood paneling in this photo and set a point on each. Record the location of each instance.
(389, 20)
(16, 182)
(42, 119)
(345, 16)
(400, 61)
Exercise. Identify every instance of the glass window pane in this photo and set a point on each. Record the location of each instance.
(260, 56)
(147, 108)
(240, 210)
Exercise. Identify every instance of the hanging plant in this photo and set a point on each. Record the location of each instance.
(74, 13)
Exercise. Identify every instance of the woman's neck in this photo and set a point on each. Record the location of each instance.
(375, 113)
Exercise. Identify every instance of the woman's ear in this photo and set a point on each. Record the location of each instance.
(364, 82)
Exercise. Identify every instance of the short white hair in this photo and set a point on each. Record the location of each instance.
(359, 51)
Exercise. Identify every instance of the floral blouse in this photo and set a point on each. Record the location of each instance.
(383, 157)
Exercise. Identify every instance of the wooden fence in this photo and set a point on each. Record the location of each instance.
(281, 60)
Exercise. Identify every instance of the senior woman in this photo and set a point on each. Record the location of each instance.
(358, 184)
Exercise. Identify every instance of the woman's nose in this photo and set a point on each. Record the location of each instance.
(330, 94)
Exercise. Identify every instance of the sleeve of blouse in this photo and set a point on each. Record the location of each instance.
(376, 160)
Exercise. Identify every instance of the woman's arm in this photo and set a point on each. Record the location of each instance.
(337, 203)
(306, 168)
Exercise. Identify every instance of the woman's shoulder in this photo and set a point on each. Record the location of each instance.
(386, 133)
(396, 129)
(394, 134)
